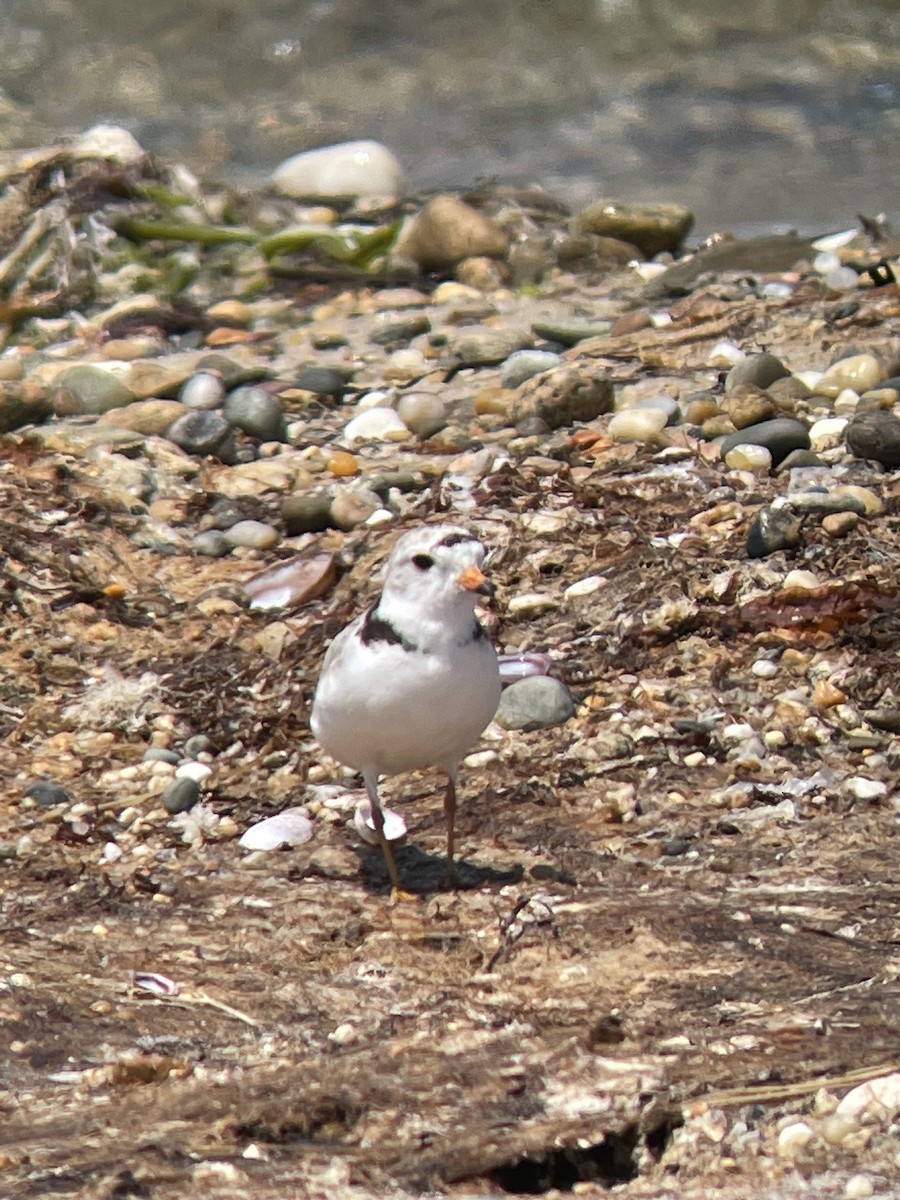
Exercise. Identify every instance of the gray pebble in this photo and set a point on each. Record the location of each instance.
(819, 501)
(351, 506)
(257, 535)
(758, 369)
(422, 413)
(85, 389)
(779, 436)
(211, 543)
(666, 404)
(225, 512)
(47, 793)
(535, 703)
(569, 333)
(202, 432)
(308, 512)
(160, 754)
(773, 529)
(392, 327)
(256, 412)
(203, 390)
(199, 744)
(324, 381)
(799, 458)
(875, 434)
(525, 363)
(180, 795)
(484, 347)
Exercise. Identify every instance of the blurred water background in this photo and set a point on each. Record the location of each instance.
(757, 114)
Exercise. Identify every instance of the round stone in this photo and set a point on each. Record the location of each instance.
(747, 405)
(256, 535)
(578, 391)
(650, 227)
(308, 512)
(256, 412)
(341, 172)
(351, 506)
(485, 347)
(636, 424)
(391, 327)
(203, 390)
(204, 432)
(47, 793)
(664, 404)
(199, 744)
(180, 795)
(875, 434)
(861, 372)
(323, 381)
(422, 412)
(84, 389)
(827, 433)
(779, 436)
(161, 754)
(570, 333)
(757, 369)
(523, 364)
(535, 703)
(773, 529)
(211, 543)
(376, 425)
(749, 458)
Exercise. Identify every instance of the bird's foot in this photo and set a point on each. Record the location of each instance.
(449, 877)
(399, 896)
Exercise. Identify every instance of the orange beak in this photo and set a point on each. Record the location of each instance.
(473, 581)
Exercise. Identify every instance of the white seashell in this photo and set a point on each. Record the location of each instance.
(834, 241)
(289, 828)
(725, 354)
(522, 666)
(880, 1097)
(150, 981)
(394, 825)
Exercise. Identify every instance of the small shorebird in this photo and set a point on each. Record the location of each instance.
(413, 681)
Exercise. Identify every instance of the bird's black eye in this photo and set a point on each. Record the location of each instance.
(423, 561)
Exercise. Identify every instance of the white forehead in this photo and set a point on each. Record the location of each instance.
(432, 539)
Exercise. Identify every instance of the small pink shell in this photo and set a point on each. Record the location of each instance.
(522, 666)
(292, 582)
(157, 985)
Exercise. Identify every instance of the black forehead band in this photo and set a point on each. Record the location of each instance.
(454, 539)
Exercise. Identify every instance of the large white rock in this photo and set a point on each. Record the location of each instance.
(342, 172)
(111, 142)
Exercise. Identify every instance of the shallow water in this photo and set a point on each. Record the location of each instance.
(757, 115)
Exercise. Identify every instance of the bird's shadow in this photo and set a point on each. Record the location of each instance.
(420, 872)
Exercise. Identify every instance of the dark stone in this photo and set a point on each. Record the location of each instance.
(323, 381)
(773, 529)
(875, 434)
(256, 412)
(180, 795)
(47, 793)
(758, 369)
(202, 431)
(199, 744)
(160, 754)
(779, 436)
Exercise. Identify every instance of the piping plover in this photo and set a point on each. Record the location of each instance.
(413, 681)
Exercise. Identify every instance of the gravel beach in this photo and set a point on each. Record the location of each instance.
(671, 966)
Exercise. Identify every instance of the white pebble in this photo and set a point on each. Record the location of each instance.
(111, 142)
(585, 587)
(376, 399)
(375, 424)
(843, 279)
(737, 732)
(725, 354)
(846, 403)
(764, 668)
(422, 412)
(531, 604)
(866, 789)
(343, 171)
(793, 1138)
(826, 262)
(858, 1187)
(879, 1097)
(746, 457)
(827, 433)
(193, 770)
(806, 581)
(111, 852)
(636, 424)
(203, 390)
(344, 1035)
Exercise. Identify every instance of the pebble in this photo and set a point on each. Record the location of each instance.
(826, 502)
(342, 464)
(725, 354)
(446, 231)
(794, 1138)
(390, 327)
(524, 364)
(861, 372)
(535, 703)
(879, 1098)
(323, 381)
(773, 529)
(486, 346)
(375, 425)
(827, 433)
(180, 795)
(859, 1187)
(875, 434)
(394, 824)
(780, 436)
(289, 828)
(197, 771)
(84, 389)
(838, 525)
(866, 789)
(111, 142)
(570, 333)
(161, 754)
(256, 412)
(761, 370)
(256, 535)
(747, 405)
(308, 512)
(872, 503)
(651, 227)
(764, 668)
(574, 392)
(423, 413)
(211, 543)
(531, 604)
(203, 390)
(47, 793)
(749, 458)
(147, 417)
(636, 424)
(205, 433)
(344, 171)
(352, 506)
